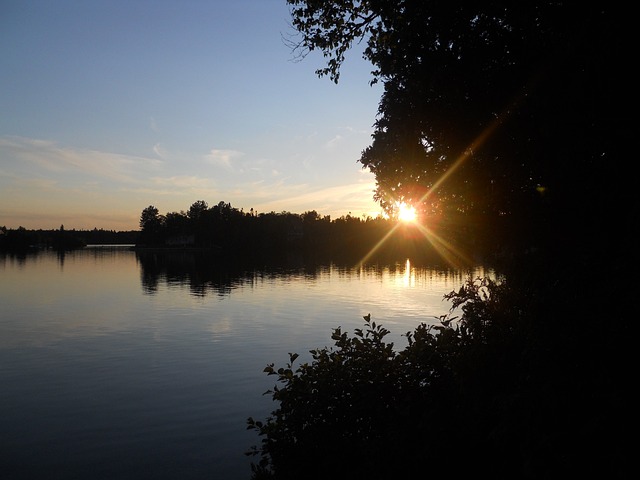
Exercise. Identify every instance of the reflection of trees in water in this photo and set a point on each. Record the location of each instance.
(20, 258)
(205, 272)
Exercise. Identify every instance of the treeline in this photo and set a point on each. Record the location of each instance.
(234, 231)
(22, 239)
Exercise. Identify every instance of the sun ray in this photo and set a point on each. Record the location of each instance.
(445, 249)
(475, 145)
(377, 246)
(452, 255)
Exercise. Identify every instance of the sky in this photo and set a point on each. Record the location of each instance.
(108, 107)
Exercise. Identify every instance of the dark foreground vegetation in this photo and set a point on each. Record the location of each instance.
(515, 115)
(500, 387)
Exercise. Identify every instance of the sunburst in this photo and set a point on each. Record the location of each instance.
(445, 249)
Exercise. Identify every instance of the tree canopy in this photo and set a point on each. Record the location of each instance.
(513, 116)
(489, 108)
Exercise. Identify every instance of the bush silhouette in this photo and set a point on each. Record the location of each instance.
(485, 392)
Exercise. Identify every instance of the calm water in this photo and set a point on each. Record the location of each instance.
(116, 365)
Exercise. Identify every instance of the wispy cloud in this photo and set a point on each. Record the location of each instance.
(182, 182)
(346, 134)
(160, 151)
(56, 159)
(223, 158)
(336, 200)
(189, 188)
(334, 142)
(42, 179)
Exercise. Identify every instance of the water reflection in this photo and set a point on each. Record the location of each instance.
(204, 273)
(157, 358)
(11, 259)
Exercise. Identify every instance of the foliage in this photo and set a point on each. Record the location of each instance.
(22, 240)
(510, 117)
(151, 225)
(479, 394)
(489, 110)
(19, 239)
(235, 232)
(358, 408)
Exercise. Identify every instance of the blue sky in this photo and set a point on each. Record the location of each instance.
(108, 107)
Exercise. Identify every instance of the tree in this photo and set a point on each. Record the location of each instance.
(196, 210)
(488, 109)
(151, 225)
(176, 223)
(501, 113)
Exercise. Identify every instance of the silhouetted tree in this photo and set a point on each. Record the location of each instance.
(67, 239)
(490, 111)
(510, 119)
(151, 226)
(176, 223)
(200, 222)
(19, 239)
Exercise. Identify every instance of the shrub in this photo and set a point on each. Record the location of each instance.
(524, 383)
(362, 409)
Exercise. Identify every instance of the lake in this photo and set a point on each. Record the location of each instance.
(117, 364)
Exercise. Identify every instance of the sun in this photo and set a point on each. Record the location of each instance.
(406, 213)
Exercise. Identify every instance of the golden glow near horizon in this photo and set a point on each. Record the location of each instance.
(164, 139)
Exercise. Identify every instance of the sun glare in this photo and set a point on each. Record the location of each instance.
(406, 213)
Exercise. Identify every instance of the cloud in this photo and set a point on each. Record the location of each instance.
(55, 159)
(182, 181)
(223, 157)
(41, 179)
(338, 200)
(38, 184)
(347, 134)
(191, 188)
(160, 151)
(334, 142)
